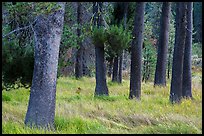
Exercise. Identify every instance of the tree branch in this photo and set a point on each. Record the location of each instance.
(19, 29)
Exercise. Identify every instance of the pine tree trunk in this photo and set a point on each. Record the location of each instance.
(88, 50)
(115, 70)
(101, 85)
(169, 63)
(136, 52)
(41, 107)
(177, 66)
(160, 72)
(79, 53)
(144, 64)
(110, 67)
(186, 89)
(120, 74)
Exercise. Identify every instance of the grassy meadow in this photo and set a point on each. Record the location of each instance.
(78, 111)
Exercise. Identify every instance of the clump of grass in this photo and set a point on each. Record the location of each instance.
(149, 92)
(110, 83)
(78, 125)
(73, 98)
(6, 97)
(106, 98)
(16, 128)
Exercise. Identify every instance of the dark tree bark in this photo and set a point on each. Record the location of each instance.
(120, 72)
(115, 70)
(178, 55)
(160, 72)
(41, 107)
(186, 89)
(110, 67)
(101, 85)
(88, 50)
(169, 62)
(144, 64)
(136, 52)
(79, 53)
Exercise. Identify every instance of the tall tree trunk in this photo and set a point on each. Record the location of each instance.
(41, 107)
(160, 72)
(120, 74)
(186, 89)
(110, 67)
(136, 52)
(169, 63)
(115, 70)
(88, 50)
(144, 64)
(79, 53)
(101, 85)
(177, 66)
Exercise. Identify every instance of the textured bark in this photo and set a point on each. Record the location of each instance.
(101, 85)
(187, 85)
(41, 107)
(160, 72)
(178, 55)
(136, 52)
(115, 70)
(79, 53)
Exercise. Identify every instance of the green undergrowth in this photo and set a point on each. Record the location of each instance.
(79, 112)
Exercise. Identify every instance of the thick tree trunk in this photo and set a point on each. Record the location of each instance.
(101, 85)
(79, 53)
(41, 107)
(115, 70)
(186, 89)
(160, 72)
(136, 52)
(177, 66)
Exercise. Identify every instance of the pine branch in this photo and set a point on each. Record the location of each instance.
(19, 29)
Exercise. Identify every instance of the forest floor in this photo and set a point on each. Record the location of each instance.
(78, 111)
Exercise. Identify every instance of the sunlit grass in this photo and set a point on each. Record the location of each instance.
(78, 111)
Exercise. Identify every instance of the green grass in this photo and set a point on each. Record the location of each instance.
(82, 113)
